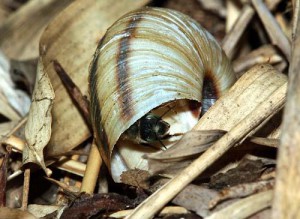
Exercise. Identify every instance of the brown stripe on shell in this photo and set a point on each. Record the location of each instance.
(210, 92)
(122, 70)
(99, 131)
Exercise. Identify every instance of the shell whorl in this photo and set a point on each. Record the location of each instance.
(149, 57)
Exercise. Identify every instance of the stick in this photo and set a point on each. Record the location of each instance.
(25, 189)
(272, 27)
(287, 197)
(230, 41)
(92, 170)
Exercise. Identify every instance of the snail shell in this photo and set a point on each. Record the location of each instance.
(149, 57)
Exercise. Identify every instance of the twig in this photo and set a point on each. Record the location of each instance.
(230, 41)
(25, 189)
(157, 200)
(14, 175)
(265, 54)
(287, 198)
(3, 177)
(92, 170)
(272, 27)
(18, 126)
(74, 92)
(64, 186)
(165, 211)
(66, 164)
(17, 144)
(70, 165)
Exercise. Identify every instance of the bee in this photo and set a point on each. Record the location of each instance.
(148, 130)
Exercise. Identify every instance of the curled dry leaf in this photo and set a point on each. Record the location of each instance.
(20, 33)
(192, 143)
(182, 152)
(38, 126)
(71, 39)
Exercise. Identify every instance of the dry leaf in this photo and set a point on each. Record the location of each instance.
(196, 198)
(183, 152)
(192, 143)
(21, 31)
(169, 169)
(246, 171)
(136, 177)
(38, 127)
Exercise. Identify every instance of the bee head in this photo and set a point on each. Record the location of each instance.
(153, 128)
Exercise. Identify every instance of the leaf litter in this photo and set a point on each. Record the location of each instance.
(56, 127)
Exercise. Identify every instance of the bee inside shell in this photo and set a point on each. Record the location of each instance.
(150, 128)
(150, 57)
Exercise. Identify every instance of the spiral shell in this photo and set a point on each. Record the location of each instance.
(149, 57)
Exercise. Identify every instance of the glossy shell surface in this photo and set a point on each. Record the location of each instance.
(147, 58)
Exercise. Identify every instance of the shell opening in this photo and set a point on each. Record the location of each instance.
(181, 115)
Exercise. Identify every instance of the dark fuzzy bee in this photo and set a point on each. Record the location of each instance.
(149, 129)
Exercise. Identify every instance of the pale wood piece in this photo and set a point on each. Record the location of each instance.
(287, 197)
(92, 170)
